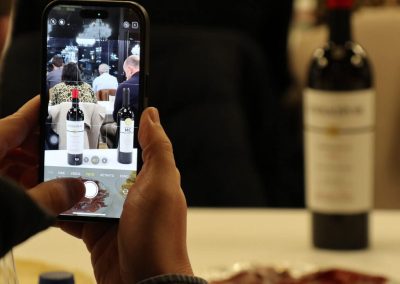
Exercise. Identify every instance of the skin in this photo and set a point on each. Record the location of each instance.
(129, 71)
(18, 161)
(4, 22)
(150, 238)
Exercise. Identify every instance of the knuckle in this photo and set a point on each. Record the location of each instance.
(157, 149)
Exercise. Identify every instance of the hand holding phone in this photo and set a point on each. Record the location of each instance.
(26, 213)
(150, 238)
(94, 74)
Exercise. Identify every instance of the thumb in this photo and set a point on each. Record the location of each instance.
(59, 195)
(159, 173)
(156, 146)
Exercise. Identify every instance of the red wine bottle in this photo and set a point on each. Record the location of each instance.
(339, 137)
(75, 131)
(126, 125)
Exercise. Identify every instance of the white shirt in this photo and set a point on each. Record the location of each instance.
(105, 81)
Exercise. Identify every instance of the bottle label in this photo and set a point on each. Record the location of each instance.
(126, 135)
(339, 150)
(75, 137)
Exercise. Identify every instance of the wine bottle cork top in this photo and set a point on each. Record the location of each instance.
(56, 277)
(75, 93)
(339, 4)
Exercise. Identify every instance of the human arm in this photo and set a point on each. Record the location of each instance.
(24, 213)
(150, 239)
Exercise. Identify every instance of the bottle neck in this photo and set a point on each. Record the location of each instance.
(339, 26)
(75, 102)
(125, 99)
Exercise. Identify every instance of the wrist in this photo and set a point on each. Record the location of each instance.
(173, 279)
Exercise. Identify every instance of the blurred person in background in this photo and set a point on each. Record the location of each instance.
(71, 79)
(104, 81)
(54, 76)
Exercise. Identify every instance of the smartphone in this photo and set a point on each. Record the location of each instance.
(93, 89)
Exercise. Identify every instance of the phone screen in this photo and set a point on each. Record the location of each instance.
(92, 97)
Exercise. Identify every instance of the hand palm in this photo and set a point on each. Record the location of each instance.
(102, 243)
(150, 238)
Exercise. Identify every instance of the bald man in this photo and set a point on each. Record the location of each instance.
(131, 69)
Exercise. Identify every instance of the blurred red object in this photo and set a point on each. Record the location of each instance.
(272, 276)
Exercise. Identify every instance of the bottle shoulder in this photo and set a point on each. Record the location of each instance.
(350, 53)
(76, 113)
(126, 112)
(340, 67)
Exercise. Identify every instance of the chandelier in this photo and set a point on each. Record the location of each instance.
(70, 54)
(95, 31)
(136, 50)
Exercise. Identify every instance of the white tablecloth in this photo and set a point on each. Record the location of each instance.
(218, 238)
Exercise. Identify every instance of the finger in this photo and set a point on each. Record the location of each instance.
(18, 155)
(19, 173)
(29, 178)
(155, 144)
(31, 143)
(158, 162)
(72, 228)
(15, 128)
(58, 195)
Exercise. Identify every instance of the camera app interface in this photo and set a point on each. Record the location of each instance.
(92, 82)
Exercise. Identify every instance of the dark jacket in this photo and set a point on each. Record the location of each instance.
(133, 85)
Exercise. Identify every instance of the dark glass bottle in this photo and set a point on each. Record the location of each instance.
(75, 131)
(56, 277)
(339, 137)
(126, 128)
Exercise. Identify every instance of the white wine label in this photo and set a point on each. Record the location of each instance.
(75, 137)
(339, 150)
(126, 135)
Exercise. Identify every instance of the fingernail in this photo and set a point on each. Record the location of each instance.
(154, 116)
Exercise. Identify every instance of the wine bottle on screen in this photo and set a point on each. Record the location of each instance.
(126, 125)
(339, 114)
(75, 131)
